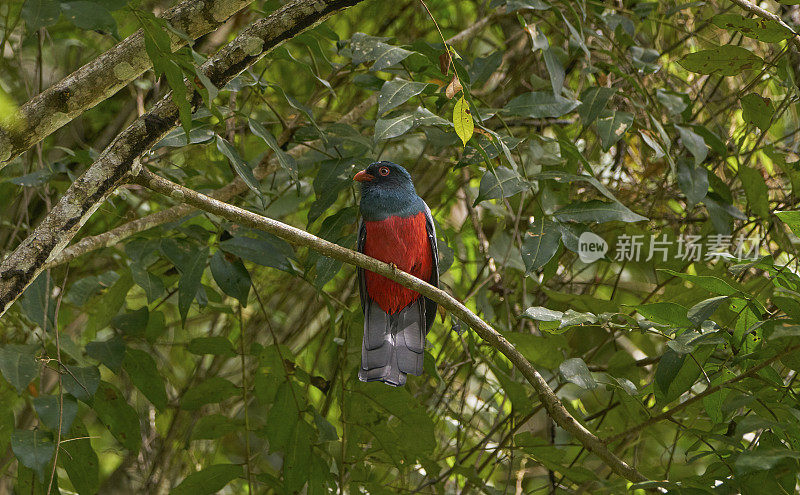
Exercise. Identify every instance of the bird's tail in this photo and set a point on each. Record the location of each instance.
(393, 345)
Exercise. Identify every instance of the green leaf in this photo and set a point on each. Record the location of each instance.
(572, 318)
(47, 408)
(554, 69)
(537, 105)
(366, 48)
(189, 283)
(18, 364)
(34, 449)
(514, 390)
(156, 326)
(676, 373)
(665, 313)
(499, 183)
(593, 102)
(214, 426)
(483, 67)
(574, 370)
(132, 323)
(327, 432)
(712, 284)
(541, 351)
(462, 120)
(81, 382)
(755, 189)
(693, 181)
(612, 126)
(286, 160)
(757, 110)
(242, 168)
(143, 372)
(566, 178)
(40, 13)
(396, 92)
(109, 304)
(177, 138)
(414, 429)
(694, 143)
(152, 284)
(726, 60)
(713, 402)
(766, 30)
(397, 126)
(90, 15)
(36, 301)
(703, 310)
(259, 251)
(29, 483)
(650, 140)
(597, 211)
(118, 416)
(109, 352)
(6, 427)
(209, 480)
(675, 103)
(540, 313)
(282, 417)
(540, 244)
(297, 461)
(211, 391)
(220, 346)
(231, 276)
(80, 460)
(790, 218)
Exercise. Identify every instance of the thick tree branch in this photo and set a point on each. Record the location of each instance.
(110, 170)
(298, 237)
(102, 77)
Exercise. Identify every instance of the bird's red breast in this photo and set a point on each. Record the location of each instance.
(404, 242)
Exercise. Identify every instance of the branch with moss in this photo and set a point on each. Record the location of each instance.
(115, 163)
(299, 237)
(104, 76)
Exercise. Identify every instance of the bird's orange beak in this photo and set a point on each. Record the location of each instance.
(363, 176)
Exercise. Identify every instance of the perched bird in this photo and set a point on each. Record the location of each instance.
(397, 228)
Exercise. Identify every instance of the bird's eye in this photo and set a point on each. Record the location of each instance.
(384, 171)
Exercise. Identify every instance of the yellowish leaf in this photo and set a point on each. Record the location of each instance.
(462, 120)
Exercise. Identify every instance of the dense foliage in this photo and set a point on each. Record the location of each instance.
(196, 355)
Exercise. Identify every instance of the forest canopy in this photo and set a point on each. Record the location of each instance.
(612, 186)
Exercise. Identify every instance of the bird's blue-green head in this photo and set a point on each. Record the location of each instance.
(387, 190)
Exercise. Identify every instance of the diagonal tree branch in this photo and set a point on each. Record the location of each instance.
(298, 237)
(102, 77)
(111, 169)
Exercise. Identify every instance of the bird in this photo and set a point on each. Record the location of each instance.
(396, 227)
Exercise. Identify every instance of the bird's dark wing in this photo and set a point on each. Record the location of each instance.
(430, 306)
(362, 281)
